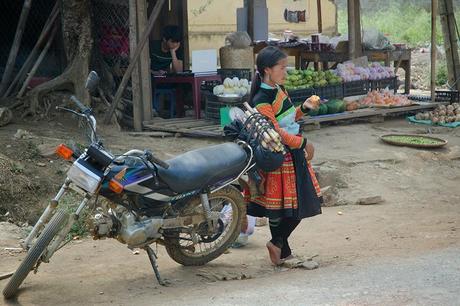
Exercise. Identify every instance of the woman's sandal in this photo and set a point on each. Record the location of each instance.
(293, 262)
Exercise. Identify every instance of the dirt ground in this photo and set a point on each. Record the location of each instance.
(420, 213)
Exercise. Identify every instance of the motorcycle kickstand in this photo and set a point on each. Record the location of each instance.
(153, 262)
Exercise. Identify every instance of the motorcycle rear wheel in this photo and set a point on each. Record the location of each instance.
(183, 255)
(51, 229)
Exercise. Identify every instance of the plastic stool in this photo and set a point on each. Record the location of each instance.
(171, 93)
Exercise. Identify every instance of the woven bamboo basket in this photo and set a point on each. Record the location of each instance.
(231, 58)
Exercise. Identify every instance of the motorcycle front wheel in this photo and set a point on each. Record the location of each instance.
(229, 203)
(53, 227)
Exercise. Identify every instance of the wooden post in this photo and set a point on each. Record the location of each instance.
(135, 58)
(15, 46)
(251, 19)
(185, 44)
(144, 63)
(434, 12)
(320, 17)
(135, 75)
(37, 63)
(29, 61)
(448, 22)
(354, 28)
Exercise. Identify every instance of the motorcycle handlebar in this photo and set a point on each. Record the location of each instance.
(80, 105)
(86, 111)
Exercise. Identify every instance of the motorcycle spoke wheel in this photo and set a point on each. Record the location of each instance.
(195, 246)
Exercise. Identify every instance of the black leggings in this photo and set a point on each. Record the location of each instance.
(281, 229)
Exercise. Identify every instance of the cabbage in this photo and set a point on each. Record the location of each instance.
(243, 91)
(244, 83)
(218, 90)
(229, 91)
(228, 82)
(236, 82)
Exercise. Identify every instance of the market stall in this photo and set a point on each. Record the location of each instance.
(324, 56)
(349, 88)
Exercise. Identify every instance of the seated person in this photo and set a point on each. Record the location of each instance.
(164, 58)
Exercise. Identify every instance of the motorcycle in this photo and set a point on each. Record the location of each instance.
(179, 203)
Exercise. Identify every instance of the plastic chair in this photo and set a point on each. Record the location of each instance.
(171, 94)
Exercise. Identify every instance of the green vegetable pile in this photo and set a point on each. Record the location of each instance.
(333, 106)
(415, 140)
(309, 78)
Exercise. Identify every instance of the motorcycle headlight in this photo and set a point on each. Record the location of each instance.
(84, 177)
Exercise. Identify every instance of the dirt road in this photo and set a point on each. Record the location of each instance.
(401, 251)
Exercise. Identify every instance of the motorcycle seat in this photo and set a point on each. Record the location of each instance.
(203, 167)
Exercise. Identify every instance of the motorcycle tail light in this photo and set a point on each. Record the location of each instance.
(115, 186)
(63, 151)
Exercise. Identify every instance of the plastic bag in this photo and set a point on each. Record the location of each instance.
(375, 40)
(238, 40)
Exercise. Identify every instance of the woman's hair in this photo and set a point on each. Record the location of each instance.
(267, 58)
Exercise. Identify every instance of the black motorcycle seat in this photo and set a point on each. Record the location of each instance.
(203, 167)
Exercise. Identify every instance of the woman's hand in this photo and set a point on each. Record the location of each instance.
(309, 152)
(311, 103)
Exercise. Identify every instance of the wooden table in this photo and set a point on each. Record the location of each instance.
(400, 58)
(323, 58)
(195, 81)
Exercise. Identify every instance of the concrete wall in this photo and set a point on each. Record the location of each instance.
(207, 30)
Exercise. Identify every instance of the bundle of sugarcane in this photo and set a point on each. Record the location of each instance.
(269, 138)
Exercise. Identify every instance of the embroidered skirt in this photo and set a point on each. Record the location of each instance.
(291, 191)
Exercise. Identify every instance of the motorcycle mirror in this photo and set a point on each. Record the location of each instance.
(92, 81)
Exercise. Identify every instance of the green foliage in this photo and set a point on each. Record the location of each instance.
(402, 22)
(70, 202)
(441, 75)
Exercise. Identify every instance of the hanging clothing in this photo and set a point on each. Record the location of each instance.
(292, 190)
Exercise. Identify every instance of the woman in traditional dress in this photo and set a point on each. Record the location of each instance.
(291, 192)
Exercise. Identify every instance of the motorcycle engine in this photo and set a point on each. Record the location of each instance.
(104, 225)
(125, 227)
(136, 232)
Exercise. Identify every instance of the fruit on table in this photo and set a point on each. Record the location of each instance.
(442, 114)
(309, 78)
(314, 99)
(349, 72)
(385, 97)
(322, 110)
(330, 107)
(351, 106)
(335, 106)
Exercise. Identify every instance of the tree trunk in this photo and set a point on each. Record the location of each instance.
(78, 47)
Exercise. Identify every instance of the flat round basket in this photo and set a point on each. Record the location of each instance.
(230, 98)
(414, 141)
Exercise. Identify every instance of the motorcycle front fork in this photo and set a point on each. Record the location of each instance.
(46, 216)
